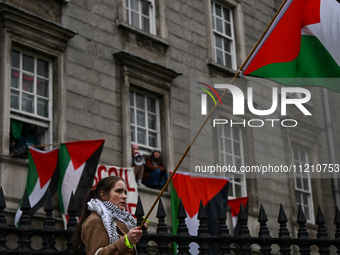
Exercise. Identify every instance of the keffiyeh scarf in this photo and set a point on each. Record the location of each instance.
(109, 213)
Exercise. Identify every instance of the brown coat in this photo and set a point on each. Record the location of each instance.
(95, 237)
(149, 167)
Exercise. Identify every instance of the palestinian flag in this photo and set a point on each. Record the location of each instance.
(235, 205)
(42, 175)
(78, 165)
(302, 42)
(192, 189)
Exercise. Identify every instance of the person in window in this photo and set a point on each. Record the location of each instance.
(155, 175)
(137, 163)
(105, 226)
(19, 147)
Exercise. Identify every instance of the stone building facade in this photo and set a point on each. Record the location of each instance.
(108, 66)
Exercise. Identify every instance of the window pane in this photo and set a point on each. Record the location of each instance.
(227, 28)
(227, 44)
(226, 14)
(42, 107)
(218, 41)
(141, 119)
(228, 148)
(135, 19)
(145, 8)
(298, 197)
(27, 103)
(228, 60)
(303, 156)
(305, 199)
(132, 116)
(298, 183)
(230, 188)
(14, 99)
(140, 101)
(152, 139)
(141, 136)
(219, 55)
(27, 83)
(15, 58)
(236, 134)
(238, 163)
(146, 24)
(135, 5)
(238, 190)
(218, 10)
(237, 150)
(42, 87)
(219, 25)
(151, 105)
(152, 121)
(306, 211)
(28, 63)
(42, 68)
(229, 160)
(226, 130)
(15, 79)
(305, 184)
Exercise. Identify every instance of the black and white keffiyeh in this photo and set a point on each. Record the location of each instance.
(109, 213)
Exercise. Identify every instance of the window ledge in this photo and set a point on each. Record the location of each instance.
(14, 161)
(220, 68)
(139, 32)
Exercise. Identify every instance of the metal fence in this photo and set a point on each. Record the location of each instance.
(54, 241)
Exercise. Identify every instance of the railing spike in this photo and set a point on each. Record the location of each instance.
(262, 219)
(72, 213)
(161, 214)
(25, 220)
(302, 231)
(202, 217)
(282, 220)
(222, 217)
(243, 219)
(49, 222)
(139, 213)
(181, 216)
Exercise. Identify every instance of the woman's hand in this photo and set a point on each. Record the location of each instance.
(134, 235)
(146, 225)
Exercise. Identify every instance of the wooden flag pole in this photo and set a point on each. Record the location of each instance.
(207, 118)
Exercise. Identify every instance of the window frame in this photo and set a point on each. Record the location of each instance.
(232, 183)
(309, 192)
(146, 148)
(224, 35)
(239, 35)
(153, 78)
(23, 31)
(152, 17)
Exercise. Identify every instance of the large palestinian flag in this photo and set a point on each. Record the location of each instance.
(302, 42)
(42, 175)
(192, 189)
(78, 164)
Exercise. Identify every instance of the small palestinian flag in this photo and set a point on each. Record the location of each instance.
(43, 174)
(235, 205)
(192, 189)
(78, 163)
(302, 42)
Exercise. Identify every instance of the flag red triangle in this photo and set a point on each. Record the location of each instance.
(45, 163)
(194, 189)
(81, 151)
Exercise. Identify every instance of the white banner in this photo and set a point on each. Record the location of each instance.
(128, 175)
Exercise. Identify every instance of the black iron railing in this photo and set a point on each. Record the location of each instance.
(54, 241)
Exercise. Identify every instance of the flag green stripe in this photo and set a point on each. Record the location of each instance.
(174, 209)
(313, 61)
(32, 175)
(64, 160)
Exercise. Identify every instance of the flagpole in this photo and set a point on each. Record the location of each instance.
(210, 113)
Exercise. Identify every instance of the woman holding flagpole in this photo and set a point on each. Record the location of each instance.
(105, 227)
